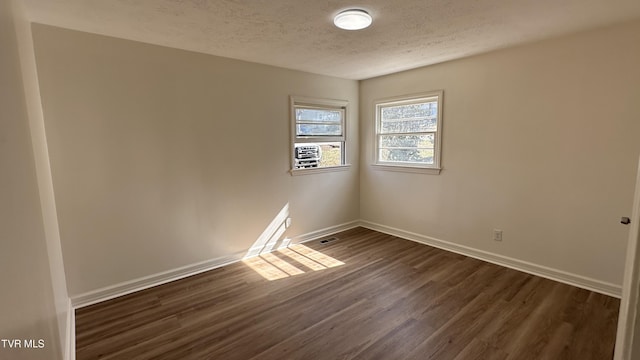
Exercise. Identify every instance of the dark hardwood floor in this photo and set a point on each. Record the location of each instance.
(366, 295)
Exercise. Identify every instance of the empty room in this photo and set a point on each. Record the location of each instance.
(301, 179)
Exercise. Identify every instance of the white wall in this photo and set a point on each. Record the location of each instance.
(540, 141)
(163, 158)
(27, 308)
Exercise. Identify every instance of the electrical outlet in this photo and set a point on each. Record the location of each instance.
(497, 235)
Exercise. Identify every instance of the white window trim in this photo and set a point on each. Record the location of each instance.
(409, 167)
(317, 102)
(318, 170)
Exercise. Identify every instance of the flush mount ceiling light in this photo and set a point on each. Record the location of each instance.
(352, 19)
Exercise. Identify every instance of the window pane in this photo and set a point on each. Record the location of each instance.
(406, 126)
(318, 130)
(421, 110)
(419, 156)
(313, 155)
(414, 141)
(409, 118)
(318, 115)
(331, 154)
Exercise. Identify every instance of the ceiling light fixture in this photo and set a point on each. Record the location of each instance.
(353, 19)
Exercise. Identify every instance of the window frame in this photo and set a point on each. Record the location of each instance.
(434, 168)
(321, 104)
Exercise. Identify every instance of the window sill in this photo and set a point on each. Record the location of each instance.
(296, 172)
(409, 169)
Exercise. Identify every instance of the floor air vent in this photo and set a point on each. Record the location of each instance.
(327, 240)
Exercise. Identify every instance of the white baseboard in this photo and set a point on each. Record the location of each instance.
(128, 287)
(520, 265)
(146, 282)
(315, 235)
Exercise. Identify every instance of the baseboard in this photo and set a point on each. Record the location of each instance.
(128, 287)
(315, 235)
(520, 265)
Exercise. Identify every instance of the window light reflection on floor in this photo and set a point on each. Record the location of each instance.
(273, 266)
(264, 268)
(302, 259)
(316, 256)
(281, 264)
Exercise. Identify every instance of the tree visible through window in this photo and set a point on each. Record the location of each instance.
(408, 131)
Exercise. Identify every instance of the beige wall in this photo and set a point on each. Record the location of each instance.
(27, 309)
(163, 158)
(540, 141)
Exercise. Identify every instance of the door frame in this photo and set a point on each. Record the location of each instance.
(628, 315)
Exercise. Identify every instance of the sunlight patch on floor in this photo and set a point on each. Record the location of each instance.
(265, 268)
(316, 256)
(282, 264)
(273, 267)
(302, 259)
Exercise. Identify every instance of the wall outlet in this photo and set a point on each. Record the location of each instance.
(497, 235)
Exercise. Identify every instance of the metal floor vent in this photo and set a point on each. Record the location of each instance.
(324, 241)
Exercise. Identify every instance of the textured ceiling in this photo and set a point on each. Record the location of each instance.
(299, 34)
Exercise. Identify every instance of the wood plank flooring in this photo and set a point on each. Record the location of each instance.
(365, 295)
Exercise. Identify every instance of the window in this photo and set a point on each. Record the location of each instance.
(408, 133)
(318, 135)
